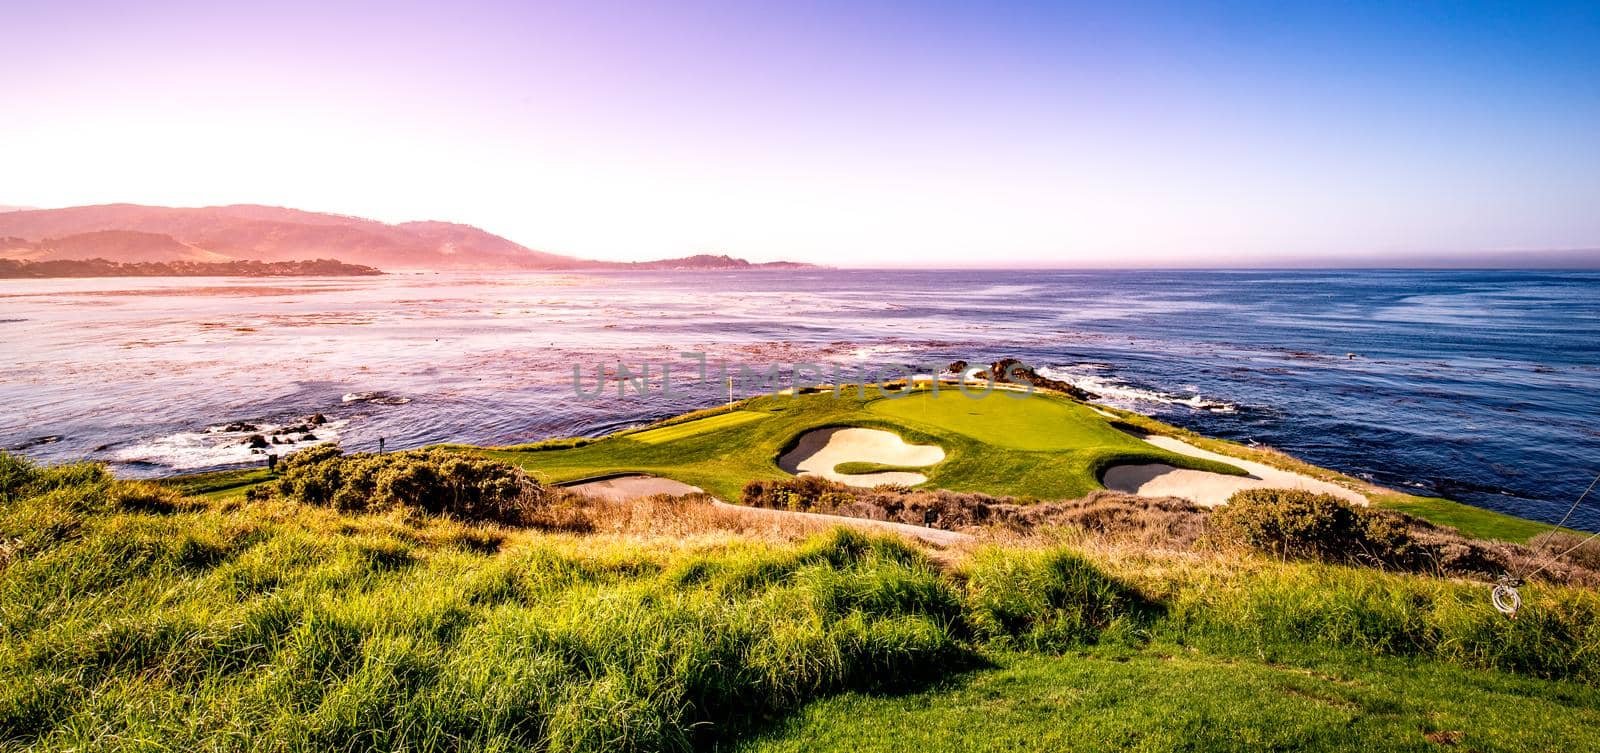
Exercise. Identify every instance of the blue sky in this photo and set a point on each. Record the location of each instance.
(847, 133)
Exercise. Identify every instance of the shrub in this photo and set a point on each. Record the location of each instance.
(1167, 521)
(433, 481)
(1583, 551)
(1294, 523)
(802, 493)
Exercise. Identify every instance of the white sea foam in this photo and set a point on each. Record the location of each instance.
(1121, 394)
(214, 446)
(376, 398)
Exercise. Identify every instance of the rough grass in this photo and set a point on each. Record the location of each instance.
(136, 619)
(289, 628)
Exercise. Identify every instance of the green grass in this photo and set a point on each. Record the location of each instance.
(674, 432)
(287, 628)
(1005, 419)
(1059, 455)
(858, 468)
(1168, 698)
(218, 484)
(1473, 521)
(137, 621)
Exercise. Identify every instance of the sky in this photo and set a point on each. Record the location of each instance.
(852, 133)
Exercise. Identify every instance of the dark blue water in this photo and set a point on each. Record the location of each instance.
(1479, 386)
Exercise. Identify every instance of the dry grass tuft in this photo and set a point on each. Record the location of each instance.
(665, 515)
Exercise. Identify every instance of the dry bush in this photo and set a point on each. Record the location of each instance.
(1450, 553)
(1295, 523)
(434, 481)
(667, 516)
(1166, 521)
(1580, 551)
(1287, 523)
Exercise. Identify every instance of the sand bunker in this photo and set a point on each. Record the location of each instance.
(623, 488)
(1211, 489)
(820, 450)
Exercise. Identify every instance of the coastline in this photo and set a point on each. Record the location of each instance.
(1257, 467)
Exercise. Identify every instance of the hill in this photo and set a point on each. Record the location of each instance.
(13, 269)
(135, 233)
(125, 246)
(715, 262)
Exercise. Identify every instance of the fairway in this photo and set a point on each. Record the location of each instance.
(698, 426)
(1006, 419)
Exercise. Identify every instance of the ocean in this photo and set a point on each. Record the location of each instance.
(1475, 385)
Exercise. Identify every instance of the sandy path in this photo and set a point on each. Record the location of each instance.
(820, 450)
(1211, 489)
(621, 488)
(936, 536)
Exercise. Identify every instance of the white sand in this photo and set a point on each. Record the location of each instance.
(1211, 489)
(819, 451)
(622, 488)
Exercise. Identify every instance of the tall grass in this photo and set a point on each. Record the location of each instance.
(1276, 609)
(132, 619)
(272, 629)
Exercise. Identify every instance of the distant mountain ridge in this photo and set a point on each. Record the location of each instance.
(133, 233)
(709, 261)
(13, 269)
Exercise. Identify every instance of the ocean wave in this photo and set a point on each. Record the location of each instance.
(1123, 395)
(374, 398)
(225, 445)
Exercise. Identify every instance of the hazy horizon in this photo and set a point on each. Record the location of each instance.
(1523, 259)
(862, 135)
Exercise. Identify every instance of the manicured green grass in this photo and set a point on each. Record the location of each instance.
(1169, 698)
(674, 432)
(863, 468)
(1005, 419)
(985, 451)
